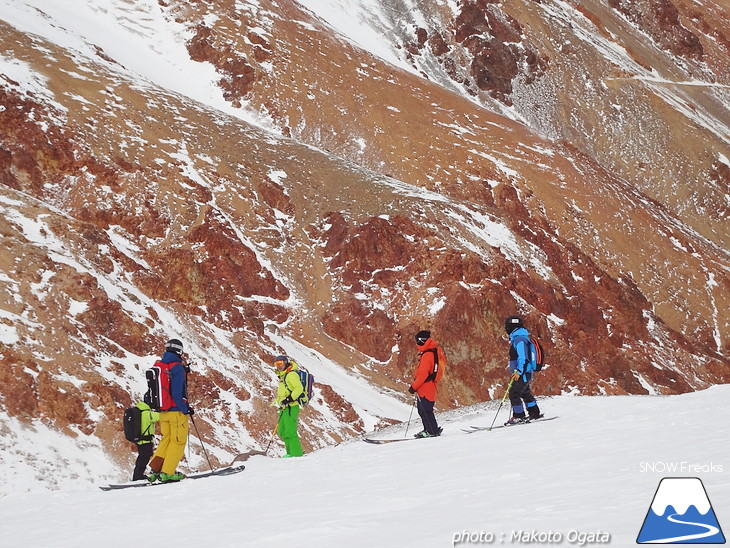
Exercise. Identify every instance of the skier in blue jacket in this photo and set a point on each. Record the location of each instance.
(174, 414)
(522, 367)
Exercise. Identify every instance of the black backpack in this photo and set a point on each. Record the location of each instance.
(133, 424)
(439, 363)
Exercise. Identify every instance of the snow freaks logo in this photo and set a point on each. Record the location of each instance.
(680, 512)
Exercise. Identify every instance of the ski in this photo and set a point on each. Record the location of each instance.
(481, 428)
(380, 442)
(393, 440)
(245, 456)
(473, 429)
(530, 421)
(225, 471)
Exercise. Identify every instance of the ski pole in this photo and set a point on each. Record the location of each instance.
(197, 433)
(271, 439)
(500, 403)
(410, 416)
(273, 432)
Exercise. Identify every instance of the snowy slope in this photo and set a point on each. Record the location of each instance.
(135, 35)
(594, 471)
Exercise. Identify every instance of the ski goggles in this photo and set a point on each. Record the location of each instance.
(280, 364)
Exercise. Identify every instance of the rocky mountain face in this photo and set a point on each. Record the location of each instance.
(567, 161)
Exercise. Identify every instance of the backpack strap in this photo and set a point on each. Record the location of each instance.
(304, 388)
(148, 434)
(432, 375)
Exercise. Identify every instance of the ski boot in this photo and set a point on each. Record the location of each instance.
(169, 478)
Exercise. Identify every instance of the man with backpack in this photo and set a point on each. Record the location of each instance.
(172, 397)
(145, 445)
(522, 365)
(288, 397)
(429, 371)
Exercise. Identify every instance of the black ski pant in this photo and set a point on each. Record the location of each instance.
(425, 411)
(521, 392)
(144, 454)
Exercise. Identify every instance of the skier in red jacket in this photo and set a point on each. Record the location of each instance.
(431, 362)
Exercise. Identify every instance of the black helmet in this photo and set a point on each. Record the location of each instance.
(281, 362)
(422, 337)
(175, 346)
(512, 323)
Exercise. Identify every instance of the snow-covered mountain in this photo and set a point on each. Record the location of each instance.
(327, 177)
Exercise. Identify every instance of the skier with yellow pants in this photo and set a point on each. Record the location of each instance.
(287, 400)
(174, 413)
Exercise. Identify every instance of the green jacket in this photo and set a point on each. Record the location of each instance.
(290, 386)
(149, 418)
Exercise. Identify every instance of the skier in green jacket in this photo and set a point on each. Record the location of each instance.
(287, 400)
(145, 445)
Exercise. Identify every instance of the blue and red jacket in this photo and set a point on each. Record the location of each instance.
(178, 383)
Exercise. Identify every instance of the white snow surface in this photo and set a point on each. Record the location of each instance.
(361, 21)
(590, 473)
(134, 33)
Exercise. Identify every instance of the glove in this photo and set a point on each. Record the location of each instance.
(285, 402)
(411, 390)
(191, 411)
(516, 376)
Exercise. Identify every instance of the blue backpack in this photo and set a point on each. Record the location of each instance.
(308, 383)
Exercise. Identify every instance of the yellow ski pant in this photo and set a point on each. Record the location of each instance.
(174, 429)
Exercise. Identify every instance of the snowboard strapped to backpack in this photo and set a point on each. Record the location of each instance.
(158, 396)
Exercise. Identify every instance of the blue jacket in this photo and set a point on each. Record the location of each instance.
(178, 383)
(520, 357)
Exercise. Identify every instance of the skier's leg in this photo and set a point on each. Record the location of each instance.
(178, 439)
(515, 398)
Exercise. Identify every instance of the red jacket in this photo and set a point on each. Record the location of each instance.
(425, 389)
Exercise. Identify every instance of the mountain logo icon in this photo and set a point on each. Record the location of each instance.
(680, 513)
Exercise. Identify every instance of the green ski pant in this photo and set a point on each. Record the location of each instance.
(288, 419)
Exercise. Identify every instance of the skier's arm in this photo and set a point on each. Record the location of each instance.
(522, 356)
(294, 384)
(425, 366)
(177, 383)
